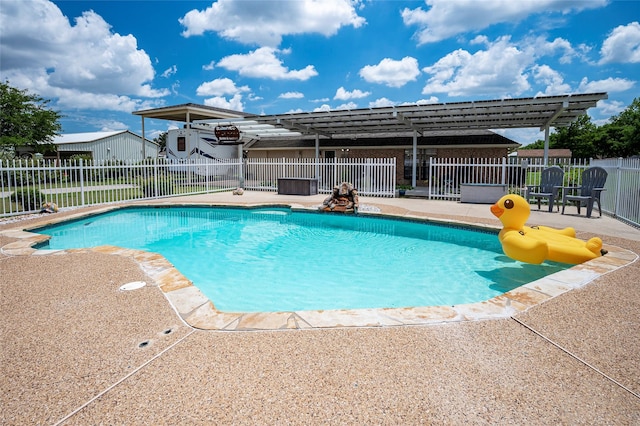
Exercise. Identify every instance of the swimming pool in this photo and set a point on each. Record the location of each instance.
(273, 259)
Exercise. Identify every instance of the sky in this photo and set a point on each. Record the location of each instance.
(98, 61)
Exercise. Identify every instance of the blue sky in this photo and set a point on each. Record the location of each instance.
(100, 60)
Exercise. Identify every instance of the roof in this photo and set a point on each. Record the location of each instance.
(540, 112)
(69, 138)
(539, 153)
(186, 113)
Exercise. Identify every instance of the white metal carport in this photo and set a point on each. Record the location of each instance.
(541, 112)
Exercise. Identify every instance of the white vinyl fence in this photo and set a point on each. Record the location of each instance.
(448, 174)
(622, 196)
(25, 185)
(621, 199)
(370, 176)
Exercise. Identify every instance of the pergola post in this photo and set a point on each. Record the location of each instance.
(317, 156)
(144, 145)
(414, 168)
(546, 146)
(188, 117)
(241, 166)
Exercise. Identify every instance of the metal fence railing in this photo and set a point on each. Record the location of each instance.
(371, 176)
(448, 174)
(26, 185)
(622, 196)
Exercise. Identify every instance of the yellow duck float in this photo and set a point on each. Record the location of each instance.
(539, 243)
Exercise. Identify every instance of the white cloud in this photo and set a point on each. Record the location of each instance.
(446, 18)
(220, 87)
(84, 65)
(170, 71)
(344, 95)
(149, 92)
(522, 136)
(551, 79)
(73, 99)
(323, 107)
(431, 100)
(111, 125)
(348, 105)
(610, 108)
(208, 67)
(392, 73)
(610, 85)
(264, 23)
(622, 45)
(507, 69)
(541, 47)
(235, 103)
(263, 63)
(480, 39)
(382, 102)
(497, 71)
(291, 95)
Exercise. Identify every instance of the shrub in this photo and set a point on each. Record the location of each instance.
(30, 199)
(164, 187)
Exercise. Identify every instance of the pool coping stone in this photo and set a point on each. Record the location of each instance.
(197, 311)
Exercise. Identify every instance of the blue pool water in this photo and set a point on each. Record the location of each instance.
(272, 259)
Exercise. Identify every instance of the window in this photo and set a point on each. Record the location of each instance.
(422, 163)
(182, 143)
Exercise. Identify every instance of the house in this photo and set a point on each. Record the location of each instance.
(443, 144)
(101, 146)
(535, 156)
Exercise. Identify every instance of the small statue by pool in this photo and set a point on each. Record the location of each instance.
(49, 207)
(344, 199)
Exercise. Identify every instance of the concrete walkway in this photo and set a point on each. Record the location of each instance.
(78, 350)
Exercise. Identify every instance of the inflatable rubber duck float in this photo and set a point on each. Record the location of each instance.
(539, 243)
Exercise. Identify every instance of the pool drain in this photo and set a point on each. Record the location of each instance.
(132, 285)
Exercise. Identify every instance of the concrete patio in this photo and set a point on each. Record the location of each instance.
(77, 350)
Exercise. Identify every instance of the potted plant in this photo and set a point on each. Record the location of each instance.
(402, 189)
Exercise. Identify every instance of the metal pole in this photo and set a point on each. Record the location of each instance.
(546, 146)
(413, 163)
(241, 171)
(144, 144)
(317, 156)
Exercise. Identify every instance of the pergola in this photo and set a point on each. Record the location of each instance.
(542, 112)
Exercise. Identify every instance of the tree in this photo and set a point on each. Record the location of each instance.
(578, 137)
(26, 120)
(623, 132)
(539, 144)
(161, 140)
(618, 138)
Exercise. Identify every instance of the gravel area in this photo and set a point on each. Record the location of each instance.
(71, 351)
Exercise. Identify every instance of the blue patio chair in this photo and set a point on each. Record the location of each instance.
(549, 188)
(588, 193)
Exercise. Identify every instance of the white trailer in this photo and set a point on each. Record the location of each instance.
(199, 143)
